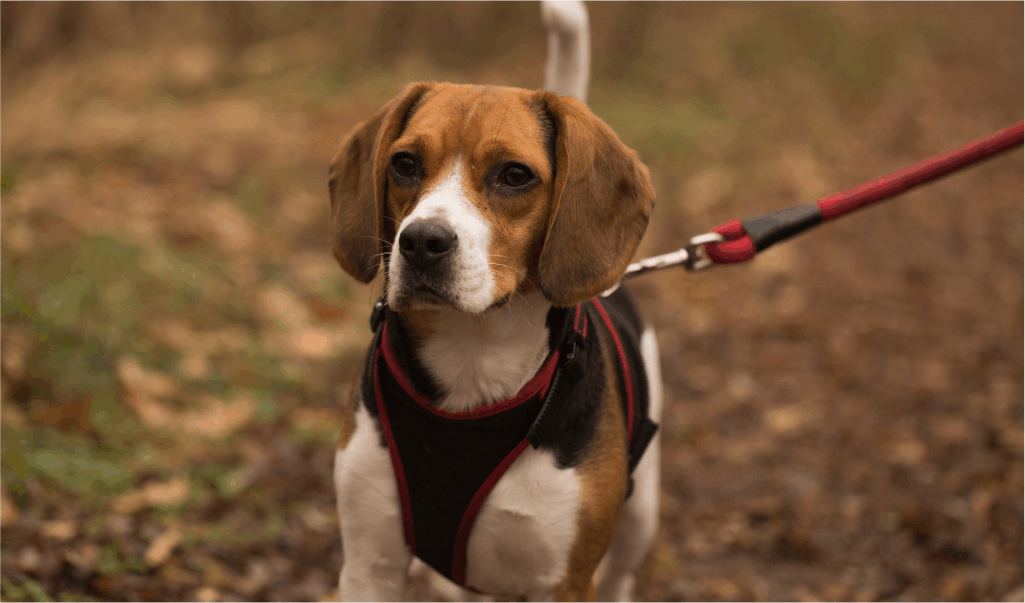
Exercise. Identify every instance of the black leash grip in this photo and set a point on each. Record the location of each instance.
(771, 228)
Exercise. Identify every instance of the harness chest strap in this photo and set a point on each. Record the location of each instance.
(446, 464)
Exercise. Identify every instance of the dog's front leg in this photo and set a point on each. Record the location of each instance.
(375, 555)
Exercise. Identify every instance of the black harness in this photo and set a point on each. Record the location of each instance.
(446, 463)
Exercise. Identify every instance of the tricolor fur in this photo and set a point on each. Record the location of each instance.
(482, 207)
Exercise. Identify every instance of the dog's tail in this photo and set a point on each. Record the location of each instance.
(569, 47)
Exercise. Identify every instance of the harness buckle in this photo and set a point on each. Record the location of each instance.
(377, 315)
(574, 356)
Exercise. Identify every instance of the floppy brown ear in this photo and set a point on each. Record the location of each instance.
(601, 201)
(358, 183)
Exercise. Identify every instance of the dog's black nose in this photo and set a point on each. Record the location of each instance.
(424, 242)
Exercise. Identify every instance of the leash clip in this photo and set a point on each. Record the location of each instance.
(697, 255)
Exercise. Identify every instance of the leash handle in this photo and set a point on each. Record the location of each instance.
(745, 238)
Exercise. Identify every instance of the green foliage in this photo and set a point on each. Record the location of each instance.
(812, 30)
(61, 304)
(14, 304)
(109, 561)
(252, 194)
(666, 132)
(77, 464)
(74, 366)
(8, 177)
(28, 590)
(187, 279)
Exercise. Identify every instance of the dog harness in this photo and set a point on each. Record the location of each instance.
(447, 463)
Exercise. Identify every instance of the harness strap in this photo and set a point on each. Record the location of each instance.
(437, 512)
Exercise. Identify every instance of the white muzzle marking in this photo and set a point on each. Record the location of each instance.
(469, 282)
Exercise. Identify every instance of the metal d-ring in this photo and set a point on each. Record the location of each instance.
(697, 256)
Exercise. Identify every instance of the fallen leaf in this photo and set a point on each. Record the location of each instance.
(195, 364)
(156, 494)
(908, 451)
(231, 227)
(129, 503)
(28, 559)
(60, 530)
(319, 520)
(174, 332)
(218, 574)
(9, 513)
(326, 312)
(785, 419)
(217, 419)
(64, 416)
(257, 576)
(315, 419)
(11, 415)
(84, 557)
(150, 412)
(175, 573)
(138, 378)
(173, 492)
(160, 549)
(17, 345)
(279, 304)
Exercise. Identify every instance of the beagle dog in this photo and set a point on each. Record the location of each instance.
(503, 426)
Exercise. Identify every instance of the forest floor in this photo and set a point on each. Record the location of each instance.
(844, 417)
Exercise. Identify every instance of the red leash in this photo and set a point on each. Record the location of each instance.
(739, 240)
(745, 238)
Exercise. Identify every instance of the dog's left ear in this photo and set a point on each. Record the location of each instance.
(358, 185)
(601, 200)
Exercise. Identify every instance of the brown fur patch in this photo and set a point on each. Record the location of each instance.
(484, 129)
(570, 234)
(603, 479)
(349, 410)
(600, 205)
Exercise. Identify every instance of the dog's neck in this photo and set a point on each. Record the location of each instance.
(480, 359)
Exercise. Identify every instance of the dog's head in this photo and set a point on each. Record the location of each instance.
(468, 194)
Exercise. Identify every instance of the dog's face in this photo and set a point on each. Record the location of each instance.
(467, 195)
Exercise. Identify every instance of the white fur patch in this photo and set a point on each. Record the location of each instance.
(375, 555)
(522, 537)
(489, 357)
(473, 284)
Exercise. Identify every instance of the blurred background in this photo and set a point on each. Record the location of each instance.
(844, 414)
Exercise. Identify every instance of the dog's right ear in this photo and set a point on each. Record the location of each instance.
(358, 184)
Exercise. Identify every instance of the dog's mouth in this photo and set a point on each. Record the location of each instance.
(423, 294)
(429, 295)
(426, 295)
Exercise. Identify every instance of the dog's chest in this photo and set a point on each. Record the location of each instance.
(520, 541)
(524, 533)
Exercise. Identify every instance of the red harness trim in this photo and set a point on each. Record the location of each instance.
(396, 463)
(626, 371)
(539, 383)
(463, 535)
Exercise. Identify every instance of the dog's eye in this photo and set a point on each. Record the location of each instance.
(515, 175)
(404, 165)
